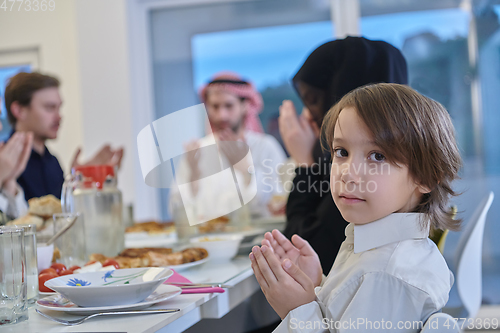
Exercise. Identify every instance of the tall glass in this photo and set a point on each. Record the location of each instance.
(183, 228)
(71, 244)
(31, 261)
(13, 286)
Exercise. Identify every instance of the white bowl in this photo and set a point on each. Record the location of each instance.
(219, 246)
(107, 288)
(44, 255)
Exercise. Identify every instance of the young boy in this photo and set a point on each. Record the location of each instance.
(394, 156)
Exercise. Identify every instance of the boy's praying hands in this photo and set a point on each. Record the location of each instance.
(300, 253)
(284, 284)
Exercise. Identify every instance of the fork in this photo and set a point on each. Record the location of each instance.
(81, 320)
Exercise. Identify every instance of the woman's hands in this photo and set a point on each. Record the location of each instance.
(285, 285)
(300, 252)
(298, 133)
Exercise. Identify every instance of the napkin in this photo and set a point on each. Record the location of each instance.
(176, 277)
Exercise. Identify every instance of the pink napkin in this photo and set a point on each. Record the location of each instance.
(176, 277)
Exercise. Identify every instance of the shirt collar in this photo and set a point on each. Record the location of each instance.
(46, 151)
(46, 154)
(393, 228)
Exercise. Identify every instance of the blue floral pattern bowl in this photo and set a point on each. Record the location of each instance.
(113, 287)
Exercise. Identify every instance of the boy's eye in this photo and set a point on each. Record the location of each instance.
(340, 152)
(378, 157)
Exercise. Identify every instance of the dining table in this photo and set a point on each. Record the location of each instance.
(235, 273)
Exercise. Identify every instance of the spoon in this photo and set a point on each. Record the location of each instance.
(62, 231)
(81, 320)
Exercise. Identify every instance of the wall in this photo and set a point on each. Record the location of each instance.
(53, 33)
(84, 43)
(105, 83)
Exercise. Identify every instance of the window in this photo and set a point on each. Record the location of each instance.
(269, 57)
(5, 74)
(434, 43)
(264, 41)
(12, 62)
(436, 39)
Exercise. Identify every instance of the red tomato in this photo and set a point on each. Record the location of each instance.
(41, 280)
(74, 268)
(111, 262)
(66, 272)
(58, 267)
(49, 270)
(91, 262)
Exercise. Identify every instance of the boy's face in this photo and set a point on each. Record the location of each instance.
(42, 116)
(225, 110)
(365, 187)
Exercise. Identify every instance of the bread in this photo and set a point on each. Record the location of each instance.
(126, 262)
(56, 254)
(152, 227)
(153, 257)
(28, 219)
(133, 253)
(194, 254)
(45, 206)
(98, 257)
(156, 259)
(216, 225)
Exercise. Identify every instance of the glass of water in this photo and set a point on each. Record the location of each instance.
(13, 286)
(31, 261)
(71, 244)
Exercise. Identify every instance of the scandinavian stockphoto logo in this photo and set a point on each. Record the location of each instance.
(213, 190)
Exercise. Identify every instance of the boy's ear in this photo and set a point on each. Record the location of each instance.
(423, 189)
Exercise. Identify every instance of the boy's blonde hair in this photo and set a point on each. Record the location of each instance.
(413, 130)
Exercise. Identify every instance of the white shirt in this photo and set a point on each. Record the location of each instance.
(267, 156)
(13, 206)
(387, 272)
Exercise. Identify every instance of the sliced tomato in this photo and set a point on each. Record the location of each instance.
(74, 268)
(66, 272)
(111, 262)
(41, 280)
(58, 267)
(48, 270)
(91, 262)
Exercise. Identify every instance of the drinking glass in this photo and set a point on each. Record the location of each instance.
(31, 261)
(71, 244)
(13, 286)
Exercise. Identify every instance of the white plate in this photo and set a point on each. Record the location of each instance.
(220, 247)
(44, 293)
(57, 302)
(182, 267)
(107, 288)
(136, 235)
(269, 219)
(150, 242)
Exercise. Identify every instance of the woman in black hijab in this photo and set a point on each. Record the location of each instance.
(330, 72)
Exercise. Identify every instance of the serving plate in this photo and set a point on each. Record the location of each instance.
(58, 302)
(113, 287)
